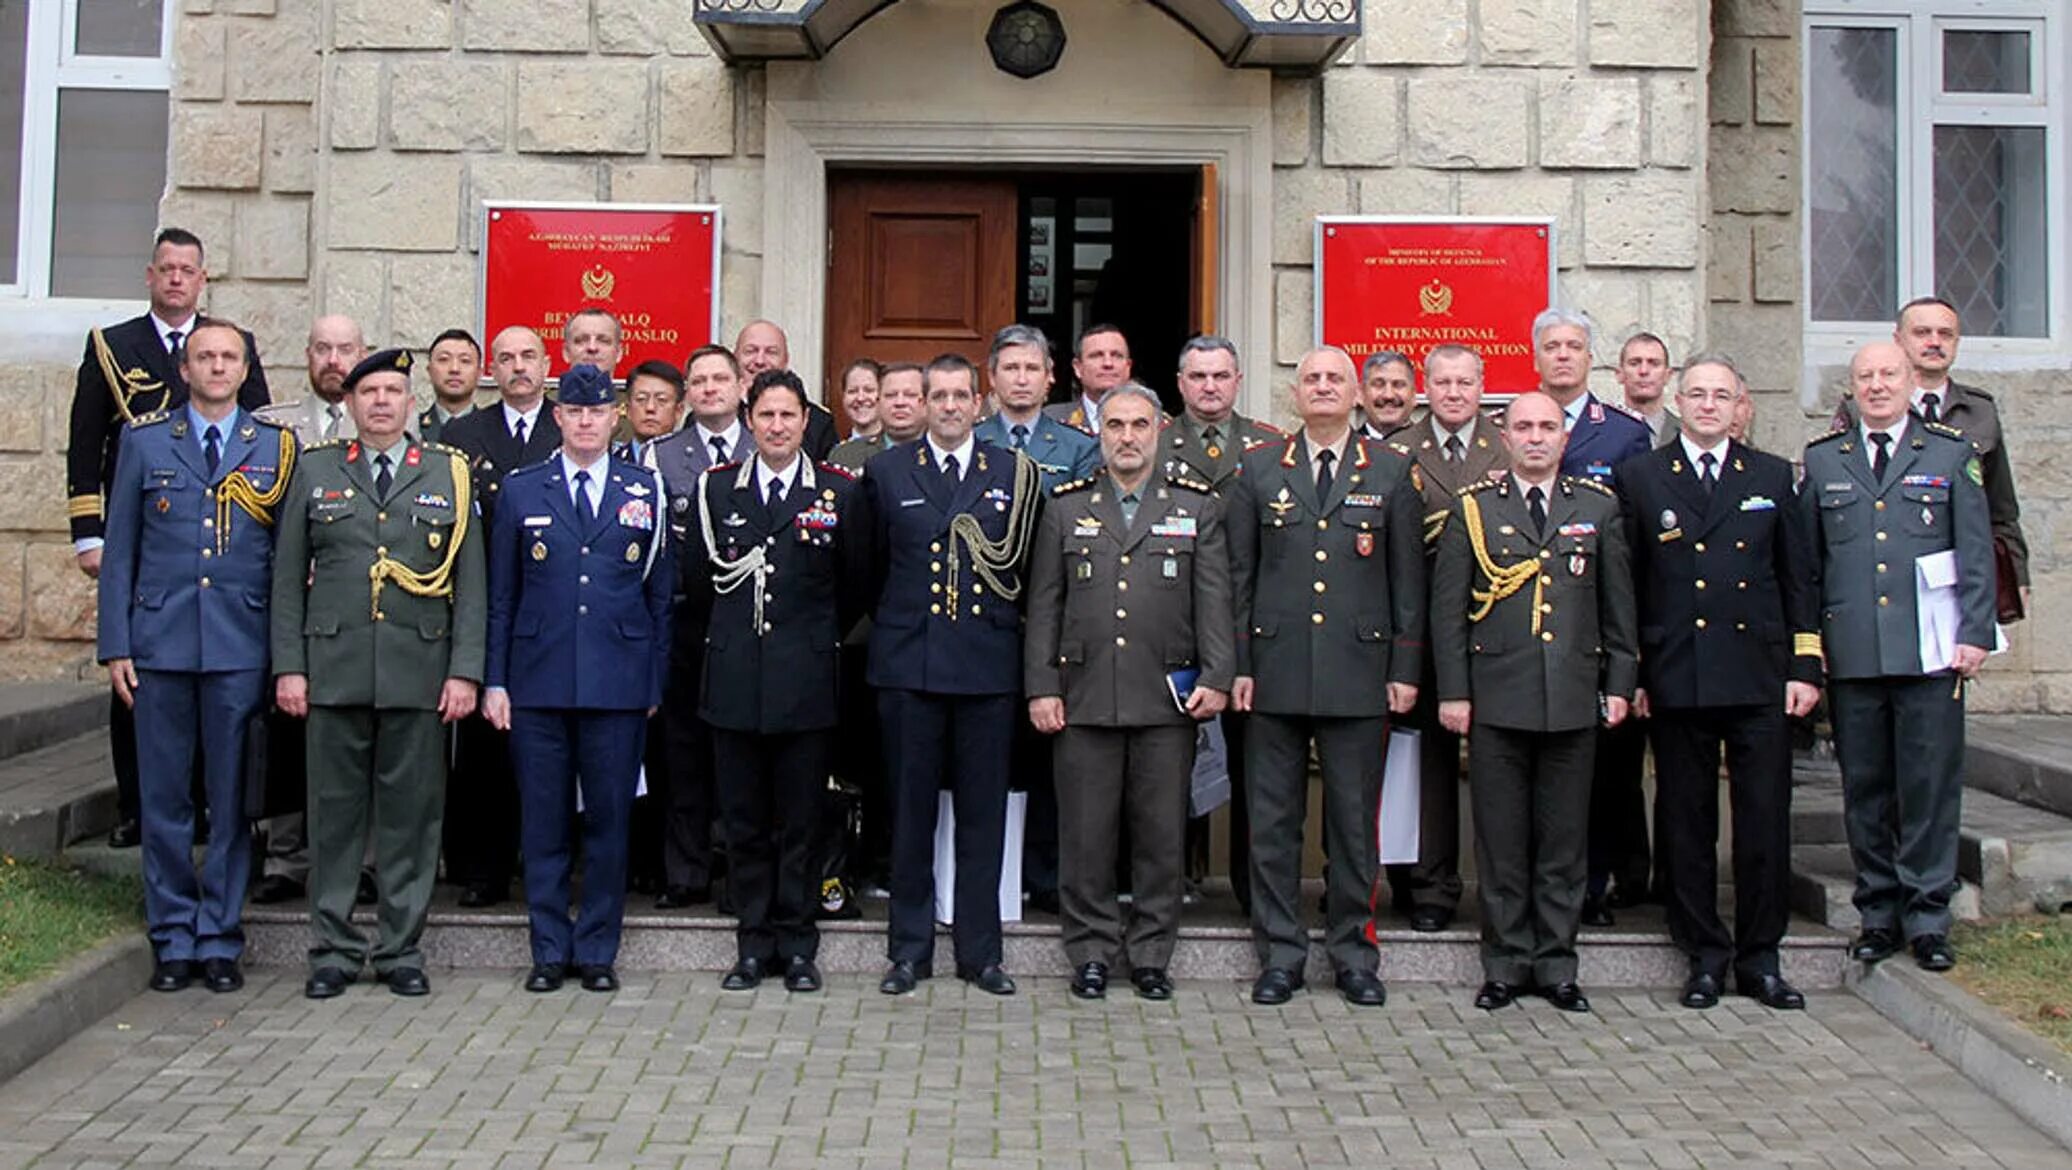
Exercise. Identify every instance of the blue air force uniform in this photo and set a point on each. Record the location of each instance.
(185, 585)
(579, 637)
(1062, 453)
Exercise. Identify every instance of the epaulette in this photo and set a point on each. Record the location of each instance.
(1399, 448)
(1480, 485)
(1267, 428)
(834, 469)
(1074, 485)
(264, 421)
(1593, 485)
(541, 468)
(155, 417)
(329, 444)
(1836, 433)
(1945, 430)
(1628, 411)
(1180, 478)
(728, 466)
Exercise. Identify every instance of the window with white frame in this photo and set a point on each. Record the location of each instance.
(83, 92)
(1933, 161)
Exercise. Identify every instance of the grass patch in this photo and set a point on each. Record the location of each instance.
(50, 911)
(2023, 966)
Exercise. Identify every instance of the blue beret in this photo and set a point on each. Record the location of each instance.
(586, 385)
(374, 363)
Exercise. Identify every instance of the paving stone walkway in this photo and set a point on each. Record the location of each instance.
(672, 1072)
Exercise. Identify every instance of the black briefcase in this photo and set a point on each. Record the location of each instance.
(273, 768)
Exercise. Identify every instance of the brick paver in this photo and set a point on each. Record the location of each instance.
(672, 1072)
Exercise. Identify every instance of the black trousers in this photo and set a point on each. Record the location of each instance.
(682, 786)
(1901, 744)
(959, 742)
(1531, 793)
(859, 760)
(1619, 810)
(481, 824)
(1030, 771)
(770, 793)
(1349, 752)
(1688, 744)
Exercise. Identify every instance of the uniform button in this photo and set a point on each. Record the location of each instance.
(1880, 505)
(1546, 607)
(766, 627)
(936, 547)
(1700, 546)
(1881, 536)
(1742, 626)
(1316, 619)
(204, 582)
(974, 611)
(207, 553)
(1122, 586)
(1125, 558)
(1322, 525)
(583, 580)
(1740, 584)
(381, 516)
(1122, 641)
(1548, 636)
(380, 550)
(935, 609)
(1881, 566)
(1546, 580)
(1122, 613)
(1740, 546)
(977, 588)
(585, 550)
(1701, 623)
(1701, 583)
(380, 616)
(1884, 600)
(1319, 586)
(1548, 553)
(935, 587)
(1322, 555)
(582, 609)
(935, 566)
(208, 524)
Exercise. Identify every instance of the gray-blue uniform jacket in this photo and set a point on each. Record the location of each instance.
(1062, 453)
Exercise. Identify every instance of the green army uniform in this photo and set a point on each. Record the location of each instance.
(1213, 458)
(433, 420)
(378, 600)
(851, 454)
(1532, 625)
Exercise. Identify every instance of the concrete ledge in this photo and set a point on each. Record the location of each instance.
(36, 715)
(36, 1019)
(2022, 758)
(2016, 1068)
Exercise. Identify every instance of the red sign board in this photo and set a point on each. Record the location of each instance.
(1411, 284)
(655, 268)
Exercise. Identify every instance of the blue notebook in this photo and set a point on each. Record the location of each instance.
(1181, 684)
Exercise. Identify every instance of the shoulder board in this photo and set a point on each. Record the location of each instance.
(1832, 435)
(541, 468)
(264, 421)
(1948, 432)
(1626, 410)
(1267, 429)
(1480, 485)
(1400, 448)
(329, 445)
(1179, 478)
(834, 469)
(1074, 485)
(1593, 485)
(438, 448)
(1972, 390)
(155, 417)
(728, 466)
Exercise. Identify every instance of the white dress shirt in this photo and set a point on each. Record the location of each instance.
(962, 452)
(531, 418)
(595, 488)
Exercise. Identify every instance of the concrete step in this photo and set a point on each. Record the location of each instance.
(37, 715)
(2025, 758)
(2015, 852)
(55, 795)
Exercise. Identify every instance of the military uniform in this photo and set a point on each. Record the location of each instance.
(1533, 626)
(1433, 884)
(432, 421)
(1081, 414)
(185, 578)
(851, 454)
(1899, 730)
(1116, 603)
(1330, 608)
(382, 600)
(1728, 614)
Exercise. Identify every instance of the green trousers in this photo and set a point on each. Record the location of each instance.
(376, 778)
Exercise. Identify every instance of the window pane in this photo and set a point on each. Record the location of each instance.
(1990, 236)
(119, 28)
(1852, 181)
(111, 171)
(14, 46)
(1985, 62)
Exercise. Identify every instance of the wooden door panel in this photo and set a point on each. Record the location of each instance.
(925, 273)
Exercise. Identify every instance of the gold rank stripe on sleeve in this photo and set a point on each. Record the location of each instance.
(1504, 580)
(437, 582)
(86, 505)
(236, 491)
(1807, 646)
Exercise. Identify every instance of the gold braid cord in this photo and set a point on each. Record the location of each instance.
(989, 559)
(120, 388)
(237, 491)
(436, 582)
(1434, 524)
(1504, 580)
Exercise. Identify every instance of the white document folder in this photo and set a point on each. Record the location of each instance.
(1010, 859)
(1936, 613)
(1398, 824)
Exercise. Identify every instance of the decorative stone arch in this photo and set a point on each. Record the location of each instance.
(1259, 34)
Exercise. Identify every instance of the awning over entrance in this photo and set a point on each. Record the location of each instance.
(1277, 34)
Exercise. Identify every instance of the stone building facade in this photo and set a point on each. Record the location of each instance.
(335, 155)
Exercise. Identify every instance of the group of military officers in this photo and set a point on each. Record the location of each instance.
(522, 596)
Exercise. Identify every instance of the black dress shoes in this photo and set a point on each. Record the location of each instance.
(1702, 990)
(1430, 919)
(408, 982)
(546, 977)
(1362, 988)
(1772, 992)
(746, 974)
(1276, 986)
(1874, 945)
(1152, 983)
(1495, 994)
(275, 888)
(172, 975)
(327, 983)
(480, 894)
(1932, 953)
(802, 975)
(221, 975)
(902, 977)
(1090, 981)
(599, 978)
(683, 897)
(1595, 913)
(989, 979)
(1566, 996)
(126, 835)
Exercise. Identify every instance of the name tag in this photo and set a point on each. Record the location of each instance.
(1844, 486)
(1086, 528)
(1758, 504)
(538, 521)
(1362, 500)
(1934, 481)
(911, 503)
(1179, 526)
(1582, 529)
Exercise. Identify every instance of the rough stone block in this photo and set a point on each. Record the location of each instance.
(408, 203)
(277, 314)
(523, 178)
(198, 60)
(741, 293)
(290, 166)
(31, 499)
(1731, 82)
(438, 104)
(678, 182)
(738, 188)
(211, 216)
(355, 103)
(697, 108)
(1729, 269)
(1674, 126)
(1298, 198)
(1469, 123)
(61, 598)
(273, 239)
(1755, 169)
(14, 601)
(355, 284)
(1777, 82)
(1764, 342)
(218, 147)
(751, 89)
(1528, 32)
(1657, 34)
(1756, 18)
(1294, 112)
(275, 62)
(642, 28)
(392, 24)
(1641, 221)
(1590, 122)
(1616, 302)
(596, 107)
(1363, 121)
(1429, 32)
(1529, 195)
(21, 409)
(1406, 191)
(1777, 268)
(429, 294)
(536, 26)
(1672, 311)
(1294, 301)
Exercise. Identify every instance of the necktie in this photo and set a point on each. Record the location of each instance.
(172, 344)
(1129, 508)
(1931, 407)
(776, 492)
(1454, 451)
(584, 511)
(1019, 436)
(518, 431)
(1536, 503)
(949, 468)
(1708, 472)
(719, 452)
(330, 424)
(1882, 456)
(212, 449)
(383, 477)
(1211, 440)
(1324, 459)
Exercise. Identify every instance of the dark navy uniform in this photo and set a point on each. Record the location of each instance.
(579, 637)
(773, 585)
(946, 658)
(1725, 584)
(186, 578)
